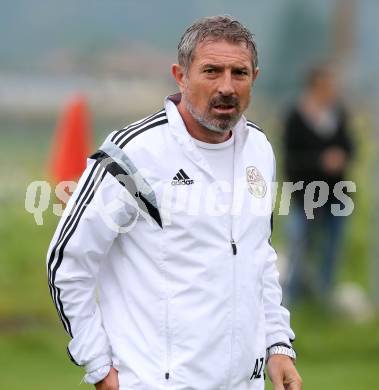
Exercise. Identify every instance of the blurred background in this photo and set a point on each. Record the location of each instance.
(117, 54)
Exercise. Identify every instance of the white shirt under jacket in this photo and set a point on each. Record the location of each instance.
(151, 273)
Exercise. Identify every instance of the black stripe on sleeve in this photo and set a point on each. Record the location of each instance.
(63, 231)
(127, 181)
(67, 221)
(136, 125)
(254, 126)
(68, 229)
(71, 357)
(128, 130)
(134, 134)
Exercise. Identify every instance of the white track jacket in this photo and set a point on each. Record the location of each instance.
(151, 275)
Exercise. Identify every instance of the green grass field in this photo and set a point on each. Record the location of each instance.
(333, 353)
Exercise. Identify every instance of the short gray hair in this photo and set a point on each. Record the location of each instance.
(218, 28)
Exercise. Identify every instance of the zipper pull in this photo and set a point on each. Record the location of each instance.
(167, 375)
(234, 246)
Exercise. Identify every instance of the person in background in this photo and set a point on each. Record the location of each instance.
(317, 147)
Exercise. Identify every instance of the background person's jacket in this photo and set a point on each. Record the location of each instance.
(303, 147)
(150, 276)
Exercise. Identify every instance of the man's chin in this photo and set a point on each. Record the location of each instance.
(220, 126)
(223, 124)
(219, 130)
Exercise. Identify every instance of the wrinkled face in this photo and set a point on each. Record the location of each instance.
(217, 87)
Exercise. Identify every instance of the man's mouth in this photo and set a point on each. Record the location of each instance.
(224, 108)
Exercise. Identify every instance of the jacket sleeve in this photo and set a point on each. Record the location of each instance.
(85, 233)
(277, 317)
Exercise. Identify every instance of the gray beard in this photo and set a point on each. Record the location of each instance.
(217, 125)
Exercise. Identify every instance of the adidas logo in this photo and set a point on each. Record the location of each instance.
(181, 178)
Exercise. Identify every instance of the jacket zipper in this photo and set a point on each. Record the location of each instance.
(234, 246)
(168, 349)
(232, 242)
(234, 249)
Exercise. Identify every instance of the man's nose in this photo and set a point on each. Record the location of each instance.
(226, 86)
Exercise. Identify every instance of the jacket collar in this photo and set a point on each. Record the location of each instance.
(179, 131)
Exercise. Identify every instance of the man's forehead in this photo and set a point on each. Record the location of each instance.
(222, 50)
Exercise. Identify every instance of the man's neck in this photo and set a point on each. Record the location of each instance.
(198, 131)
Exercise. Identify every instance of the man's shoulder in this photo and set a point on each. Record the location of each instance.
(251, 125)
(138, 130)
(256, 131)
(257, 135)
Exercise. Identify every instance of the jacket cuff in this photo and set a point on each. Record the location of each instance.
(97, 363)
(276, 338)
(97, 375)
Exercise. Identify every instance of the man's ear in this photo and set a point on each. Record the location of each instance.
(255, 73)
(179, 75)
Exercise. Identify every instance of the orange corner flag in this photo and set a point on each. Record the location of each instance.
(72, 141)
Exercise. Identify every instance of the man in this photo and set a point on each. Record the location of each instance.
(187, 288)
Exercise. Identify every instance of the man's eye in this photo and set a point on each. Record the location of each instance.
(241, 72)
(209, 70)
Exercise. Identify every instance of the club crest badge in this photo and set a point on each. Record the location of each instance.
(256, 182)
